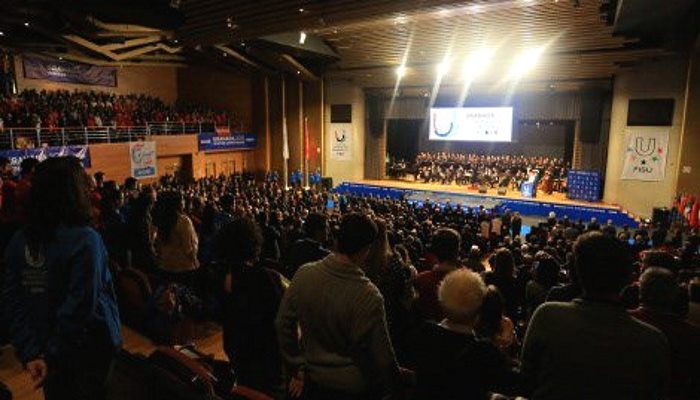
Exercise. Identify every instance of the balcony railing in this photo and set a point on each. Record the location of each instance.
(20, 138)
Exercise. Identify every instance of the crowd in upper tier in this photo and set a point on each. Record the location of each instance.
(61, 108)
(508, 171)
(323, 295)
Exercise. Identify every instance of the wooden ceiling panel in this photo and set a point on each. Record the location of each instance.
(373, 37)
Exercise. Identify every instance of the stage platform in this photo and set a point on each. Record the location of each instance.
(540, 206)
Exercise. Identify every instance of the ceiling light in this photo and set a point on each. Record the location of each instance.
(302, 37)
(401, 71)
(242, 44)
(443, 68)
(26, 24)
(176, 41)
(60, 58)
(301, 10)
(224, 53)
(525, 62)
(298, 72)
(2, 33)
(476, 64)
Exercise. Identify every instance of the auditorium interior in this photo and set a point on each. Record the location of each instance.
(274, 123)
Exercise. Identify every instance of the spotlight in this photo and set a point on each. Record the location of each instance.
(176, 41)
(525, 62)
(60, 58)
(298, 72)
(401, 71)
(476, 64)
(26, 24)
(301, 10)
(302, 37)
(2, 33)
(443, 68)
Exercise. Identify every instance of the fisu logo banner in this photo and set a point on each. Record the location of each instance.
(645, 154)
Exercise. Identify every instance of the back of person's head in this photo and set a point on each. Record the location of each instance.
(238, 242)
(491, 312)
(28, 166)
(445, 244)
(166, 211)
(130, 183)
(461, 294)
(356, 233)
(58, 197)
(547, 272)
(660, 259)
(99, 177)
(694, 291)
(316, 225)
(658, 288)
(503, 263)
(603, 266)
(474, 252)
(226, 202)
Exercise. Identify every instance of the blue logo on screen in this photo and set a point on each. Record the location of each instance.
(435, 128)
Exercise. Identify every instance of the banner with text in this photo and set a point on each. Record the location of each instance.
(233, 141)
(143, 159)
(42, 153)
(645, 154)
(69, 72)
(341, 142)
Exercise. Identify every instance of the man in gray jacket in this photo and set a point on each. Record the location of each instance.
(342, 344)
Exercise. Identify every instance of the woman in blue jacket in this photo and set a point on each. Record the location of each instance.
(59, 298)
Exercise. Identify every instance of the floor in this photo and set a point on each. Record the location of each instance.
(209, 341)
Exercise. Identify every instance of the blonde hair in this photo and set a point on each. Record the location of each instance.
(461, 294)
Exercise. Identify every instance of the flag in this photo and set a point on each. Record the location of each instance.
(285, 139)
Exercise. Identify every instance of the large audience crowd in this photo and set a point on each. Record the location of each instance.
(323, 295)
(63, 109)
(488, 170)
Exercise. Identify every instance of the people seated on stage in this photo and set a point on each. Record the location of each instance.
(502, 171)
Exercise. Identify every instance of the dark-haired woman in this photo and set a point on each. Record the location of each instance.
(58, 291)
(176, 239)
(253, 295)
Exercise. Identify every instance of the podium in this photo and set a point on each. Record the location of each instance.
(529, 189)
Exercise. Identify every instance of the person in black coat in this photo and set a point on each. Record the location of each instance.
(310, 248)
(516, 224)
(252, 298)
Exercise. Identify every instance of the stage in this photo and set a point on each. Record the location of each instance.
(540, 206)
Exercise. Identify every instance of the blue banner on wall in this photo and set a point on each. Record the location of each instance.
(234, 141)
(69, 71)
(42, 153)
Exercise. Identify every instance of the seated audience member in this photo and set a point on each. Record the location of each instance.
(444, 245)
(546, 277)
(344, 347)
(658, 294)
(474, 260)
(176, 240)
(311, 247)
(450, 361)
(113, 225)
(591, 348)
(568, 291)
(253, 296)
(503, 277)
(58, 291)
